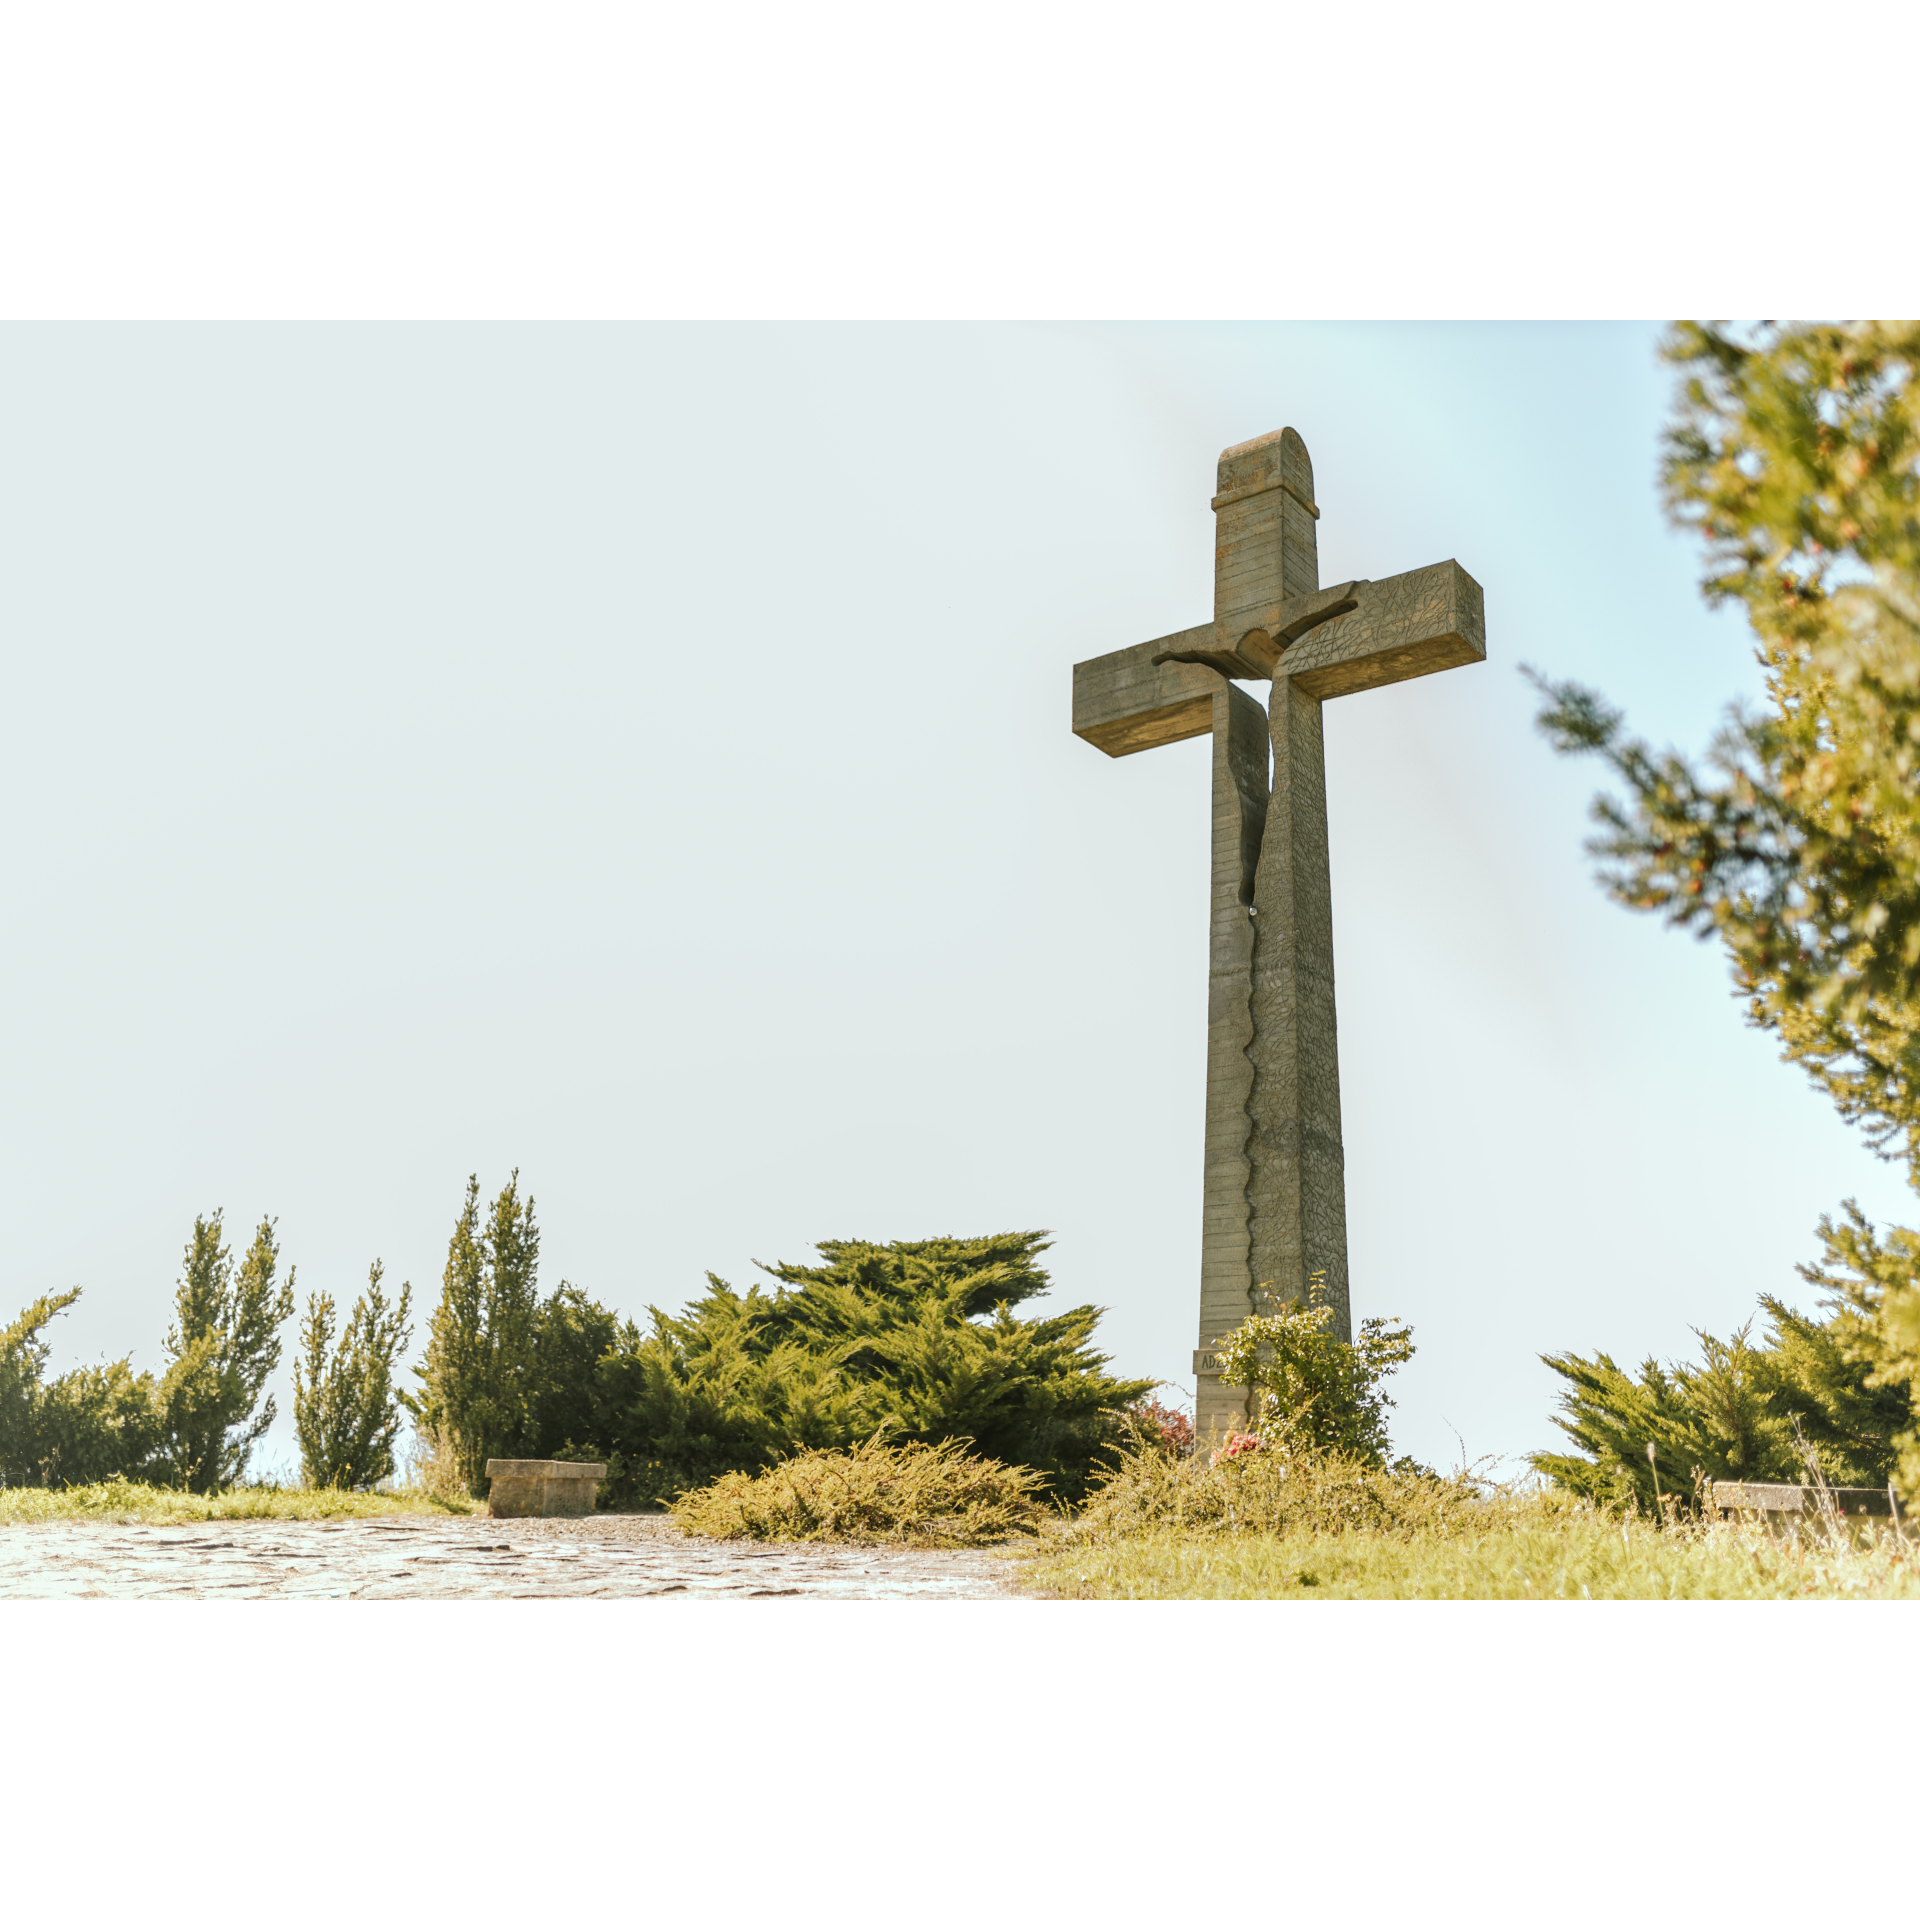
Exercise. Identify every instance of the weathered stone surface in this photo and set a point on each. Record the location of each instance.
(1274, 1187)
(1776, 1496)
(609, 1556)
(555, 1489)
(1132, 700)
(1399, 629)
(1864, 1514)
(1296, 1176)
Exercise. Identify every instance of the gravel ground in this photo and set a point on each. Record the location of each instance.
(606, 1556)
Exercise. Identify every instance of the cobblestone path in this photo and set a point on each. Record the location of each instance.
(607, 1556)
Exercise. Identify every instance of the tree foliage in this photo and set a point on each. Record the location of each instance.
(344, 1408)
(916, 1340)
(477, 1384)
(195, 1426)
(1794, 453)
(1798, 461)
(23, 1362)
(571, 1335)
(1876, 1272)
(224, 1342)
(1742, 1412)
(98, 1423)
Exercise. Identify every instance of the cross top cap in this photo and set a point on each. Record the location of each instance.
(1277, 459)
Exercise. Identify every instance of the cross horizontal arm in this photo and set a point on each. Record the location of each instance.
(1363, 633)
(1128, 701)
(1400, 628)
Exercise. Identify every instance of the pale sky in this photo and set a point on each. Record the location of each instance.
(640, 754)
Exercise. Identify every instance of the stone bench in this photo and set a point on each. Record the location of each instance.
(1786, 1509)
(542, 1488)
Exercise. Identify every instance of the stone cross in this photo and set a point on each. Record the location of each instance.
(1275, 1210)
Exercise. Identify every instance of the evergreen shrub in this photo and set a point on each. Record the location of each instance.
(916, 1339)
(911, 1495)
(1743, 1412)
(89, 1424)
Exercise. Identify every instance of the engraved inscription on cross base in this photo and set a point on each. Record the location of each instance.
(1274, 1209)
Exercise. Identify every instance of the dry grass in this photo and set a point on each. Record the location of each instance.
(134, 1505)
(1313, 1528)
(430, 1466)
(910, 1495)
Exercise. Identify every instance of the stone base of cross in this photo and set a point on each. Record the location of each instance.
(1274, 1213)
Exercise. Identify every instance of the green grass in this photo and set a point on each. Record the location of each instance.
(133, 1505)
(1282, 1525)
(1536, 1550)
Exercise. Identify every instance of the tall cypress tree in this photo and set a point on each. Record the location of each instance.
(344, 1409)
(224, 1342)
(475, 1382)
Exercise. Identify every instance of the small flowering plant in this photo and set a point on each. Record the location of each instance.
(1309, 1389)
(1236, 1445)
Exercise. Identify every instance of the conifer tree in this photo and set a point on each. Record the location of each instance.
(1795, 454)
(224, 1342)
(97, 1421)
(88, 1424)
(1744, 1411)
(476, 1384)
(23, 1360)
(917, 1340)
(344, 1409)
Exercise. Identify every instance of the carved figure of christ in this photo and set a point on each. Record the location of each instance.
(1274, 1211)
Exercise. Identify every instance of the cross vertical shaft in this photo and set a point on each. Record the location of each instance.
(1275, 1208)
(1240, 805)
(1296, 1187)
(1274, 1212)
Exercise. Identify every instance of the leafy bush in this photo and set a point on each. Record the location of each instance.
(89, 1424)
(916, 1339)
(911, 1495)
(344, 1410)
(95, 1422)
(1310, 1385)
(1739, 1414)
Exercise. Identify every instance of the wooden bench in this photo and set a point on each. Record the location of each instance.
(1788, 1510)
(548, 1489)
